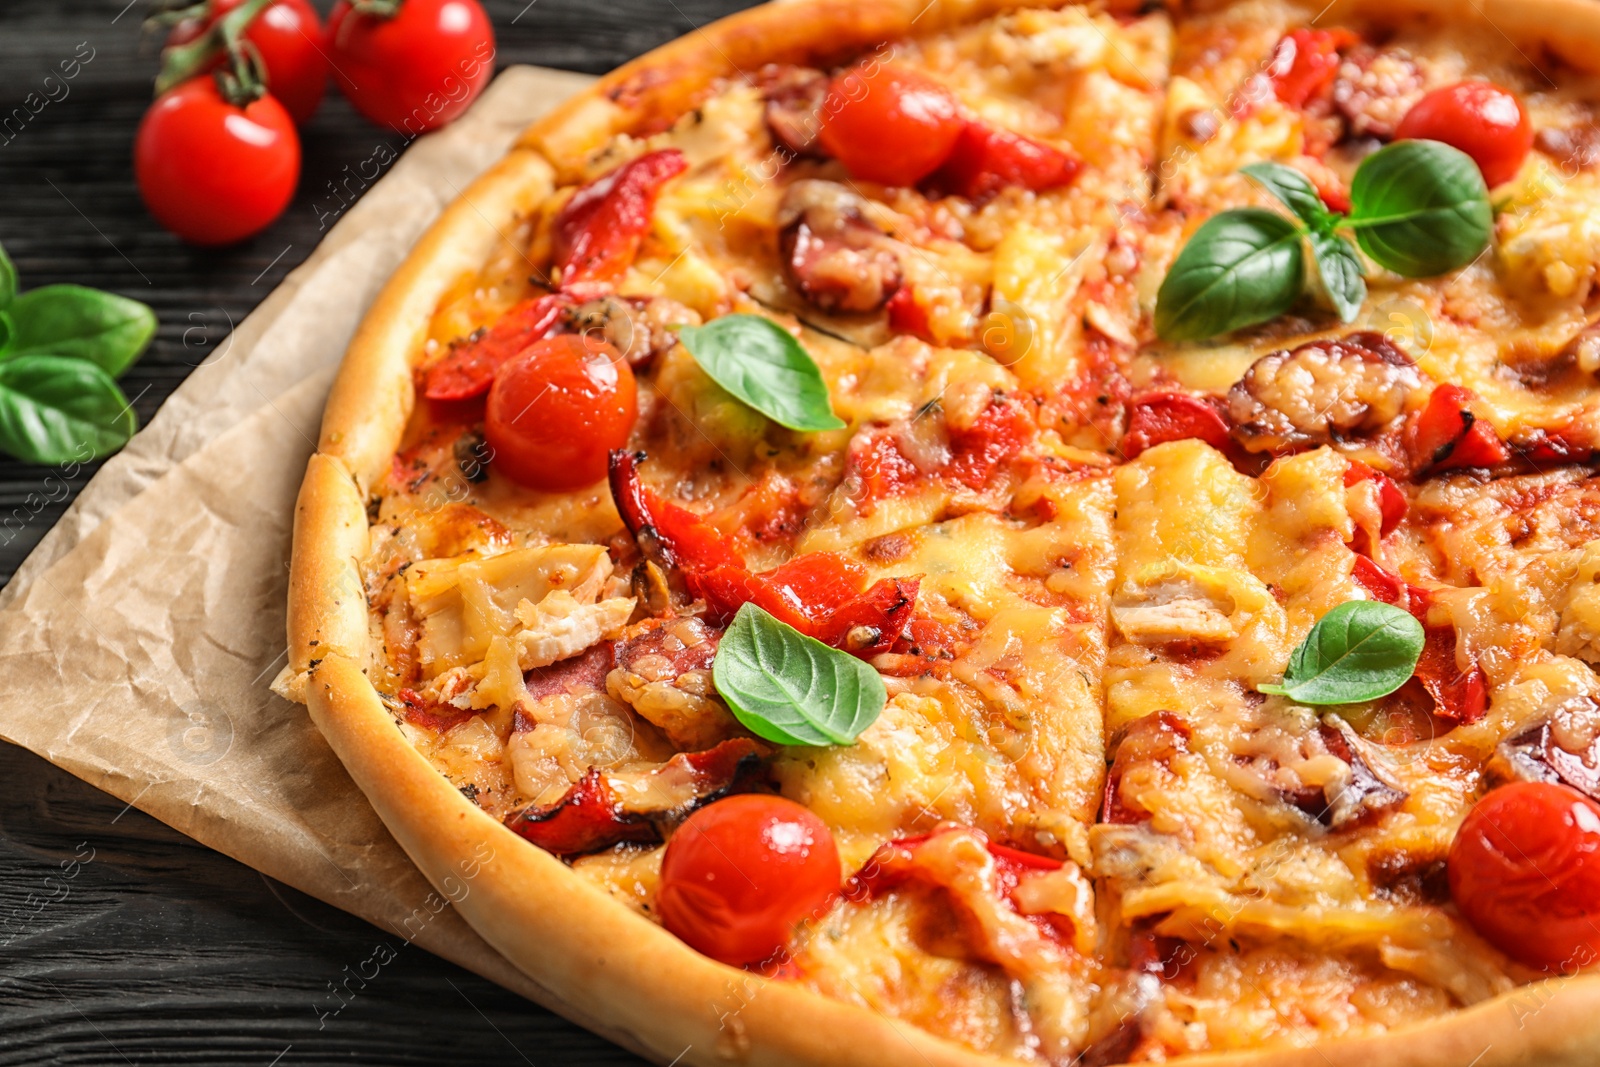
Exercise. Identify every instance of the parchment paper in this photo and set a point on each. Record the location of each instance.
(138, 639)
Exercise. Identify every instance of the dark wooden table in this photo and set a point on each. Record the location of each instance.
(155, 949)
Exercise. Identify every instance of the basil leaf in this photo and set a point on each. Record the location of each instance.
(8, 281)
(759, 362)
(1339, 267)
(793, 689)
(1361, 650)
(1420, 208)
(55, 410)
(75, 322)
(1296, 192)
(1240, 268)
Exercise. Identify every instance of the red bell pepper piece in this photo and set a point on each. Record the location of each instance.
(467, 370)
(1391, 499)
(1305, 64)
(818, 593)
(598, 232)
(1156, 418)
(987, 159)
(1447, 434)
(1379, 584)
(594, 814)
(906, 316)
(1462, 695)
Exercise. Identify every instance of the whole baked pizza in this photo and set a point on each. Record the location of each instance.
(963, 532)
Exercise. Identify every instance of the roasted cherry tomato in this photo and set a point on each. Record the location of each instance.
(557, 410)
(210, 171)
(1485, 121)
(288, 35)
(417, 69)
(888, 124)
(1525, 871)
(740, 873)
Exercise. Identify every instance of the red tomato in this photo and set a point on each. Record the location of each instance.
(1485, 121)
(557, 410)
(888, 124)
(416, 70)
(740, 873)
(288, 35)
(211, 172)
(1525, 871)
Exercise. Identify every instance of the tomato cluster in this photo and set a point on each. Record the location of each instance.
(217, 156)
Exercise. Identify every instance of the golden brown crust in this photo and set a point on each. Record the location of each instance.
(617, 973)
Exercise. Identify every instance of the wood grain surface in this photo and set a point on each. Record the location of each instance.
(122, 941)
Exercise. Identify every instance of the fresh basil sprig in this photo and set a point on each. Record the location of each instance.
(61, 346)
(1361, 650)
(792, 689)
(759, 362)
(1418, 208)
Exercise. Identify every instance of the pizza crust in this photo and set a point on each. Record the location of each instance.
(596, 961)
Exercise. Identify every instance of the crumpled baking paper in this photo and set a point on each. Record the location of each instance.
(137, 641)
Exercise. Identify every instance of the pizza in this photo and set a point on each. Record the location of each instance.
(1056, 534)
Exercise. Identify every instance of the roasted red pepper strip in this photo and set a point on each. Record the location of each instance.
(1306, 63)
(906, 316)
(1448, 435)
(1462, 695)
(818, 593)
(1156, 418)
(1457, 694)
(593, 815)
(467, 370)
(598, 232)
(1553, 447)
(987, 159)
(1391, 499)
(892, 865)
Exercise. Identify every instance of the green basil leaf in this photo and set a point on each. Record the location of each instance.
(8, 280)
(1420, 208)
(1343, 279)
(1240, 268)
(75, 322)
(793, 689)
(1361, 650)
(759, 362)
(55, 410)
(1296, 192)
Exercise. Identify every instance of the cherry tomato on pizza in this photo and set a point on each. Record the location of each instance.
(215, 171)
(411, 65)
(557, 410)
(288, 37)
(1525, 871)
(889, 124)
(741, 872)
(1485, 121)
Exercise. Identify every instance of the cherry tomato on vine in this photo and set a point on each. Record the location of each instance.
(288, 34)
(557, 410)
(1485, 121)
(1525, 871)
(741, 872)
(888, 124)
(412, 65)
(211, 171)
